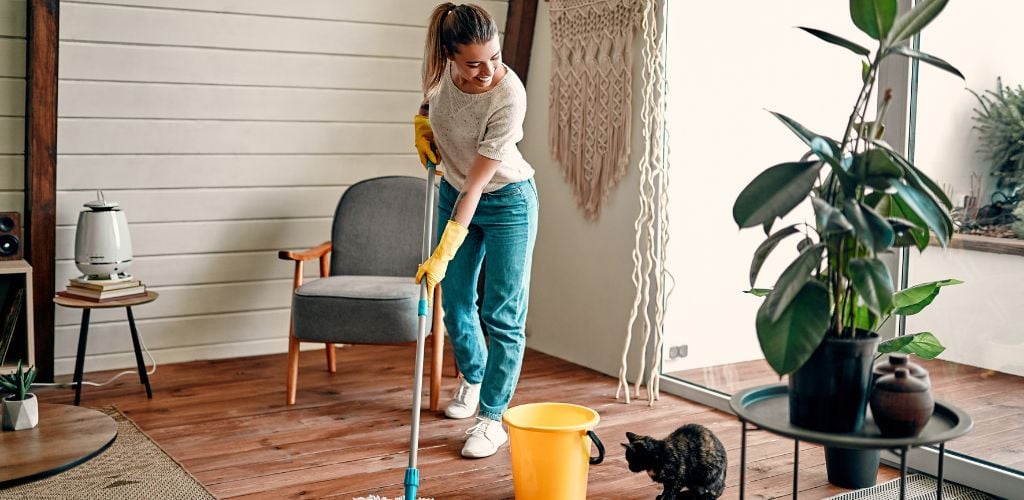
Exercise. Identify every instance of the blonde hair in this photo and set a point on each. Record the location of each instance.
(450, 26)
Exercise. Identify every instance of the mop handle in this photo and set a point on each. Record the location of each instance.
(428, 244)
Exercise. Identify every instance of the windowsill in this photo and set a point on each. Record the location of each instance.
(1006, 246)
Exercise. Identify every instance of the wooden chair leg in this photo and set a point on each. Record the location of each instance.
(332, 358)
(293, 368)
(437, 329)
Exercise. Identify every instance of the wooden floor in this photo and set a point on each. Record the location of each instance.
(994, 400)
(348, 435)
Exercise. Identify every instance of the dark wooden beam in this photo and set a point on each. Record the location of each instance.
(41, 171)
(522, 17)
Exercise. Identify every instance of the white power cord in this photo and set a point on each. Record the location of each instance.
(115, 377)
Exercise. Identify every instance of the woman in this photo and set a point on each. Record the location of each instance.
(472, 117)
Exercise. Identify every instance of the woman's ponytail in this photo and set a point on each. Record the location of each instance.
(434, 54)
(450, 26)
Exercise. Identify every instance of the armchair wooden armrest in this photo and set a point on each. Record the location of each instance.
(308, 254)
(320, 251)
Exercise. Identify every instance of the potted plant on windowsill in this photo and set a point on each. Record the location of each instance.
(20, 408)
(819, 322)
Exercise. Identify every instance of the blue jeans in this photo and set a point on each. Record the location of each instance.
(504, 228)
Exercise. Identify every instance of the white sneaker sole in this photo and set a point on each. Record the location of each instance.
(459, 413)
(485, 453)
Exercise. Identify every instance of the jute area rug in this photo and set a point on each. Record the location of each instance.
(132, 468)
(919, 487)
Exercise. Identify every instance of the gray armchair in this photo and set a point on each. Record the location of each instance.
(366, 293)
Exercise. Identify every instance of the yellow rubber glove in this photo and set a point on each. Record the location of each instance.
(437, 264)
(425, 142)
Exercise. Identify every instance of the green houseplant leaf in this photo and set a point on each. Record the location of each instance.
(837, 40)
(870, 227)
(874, 17)
(789, 341)
(910, 23)
(872, 281)
(923, 345)
(792, 281)
(766, 248)
(927, 58)
(774, 193)
(913, 300)
(925, 208)
(828, 219)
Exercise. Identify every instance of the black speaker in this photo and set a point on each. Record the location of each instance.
(10, 236)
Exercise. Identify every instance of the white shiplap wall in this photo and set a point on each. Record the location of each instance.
(226, 130)
(12, 105)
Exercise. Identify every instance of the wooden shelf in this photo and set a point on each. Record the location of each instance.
(977, 243)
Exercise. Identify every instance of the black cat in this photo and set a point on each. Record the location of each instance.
(690, 462)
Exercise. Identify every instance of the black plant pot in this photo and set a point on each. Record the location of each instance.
(830, 392)
(852, 468)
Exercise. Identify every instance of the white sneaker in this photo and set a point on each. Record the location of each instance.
(464, 402)
(484, 438)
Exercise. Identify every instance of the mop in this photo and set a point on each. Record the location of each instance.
(412, 474)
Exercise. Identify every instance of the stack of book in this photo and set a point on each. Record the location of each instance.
(103, 290)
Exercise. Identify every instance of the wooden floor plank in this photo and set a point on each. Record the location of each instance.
(348, 434)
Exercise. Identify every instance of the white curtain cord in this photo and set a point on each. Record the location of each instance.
(651, 224)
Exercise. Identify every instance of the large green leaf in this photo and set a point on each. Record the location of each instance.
(912, 22)
(774, 192)
(918, 235)
(872, 281)
(864, 319)
(789, 340)
(828, 219)
(875, 168)
(792, 280)
(766, 248)
(837, 40)
(825, 147)
(925, 207)
(870, 227)
(874, 17)
(923, 345)
(927, 58)
(913, 300)
(915, 176)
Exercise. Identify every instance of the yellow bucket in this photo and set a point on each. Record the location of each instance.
(550, 445)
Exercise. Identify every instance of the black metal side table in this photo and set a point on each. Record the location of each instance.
(87, 306)
(767, 407)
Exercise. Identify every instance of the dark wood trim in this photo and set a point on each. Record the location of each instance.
(41, 170)
(978, 243)
(522, 17)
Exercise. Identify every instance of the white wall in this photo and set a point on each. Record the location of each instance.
(982, 39)
(725, 71)
(12, 105)
(226, 130)
(581, 290)
(977, 321)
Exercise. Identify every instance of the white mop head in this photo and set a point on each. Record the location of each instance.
(375, 497)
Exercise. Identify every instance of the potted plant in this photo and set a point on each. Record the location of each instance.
(1001, 132)
(20, 408)
(819, 322)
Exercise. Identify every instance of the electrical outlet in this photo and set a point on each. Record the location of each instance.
(678, 351)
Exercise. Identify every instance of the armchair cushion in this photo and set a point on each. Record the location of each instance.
(357, 310)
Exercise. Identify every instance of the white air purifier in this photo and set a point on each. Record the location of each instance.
(103, 248)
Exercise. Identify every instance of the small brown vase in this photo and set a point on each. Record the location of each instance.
(901, 404)
(900, 360)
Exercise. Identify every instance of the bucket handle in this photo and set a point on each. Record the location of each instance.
(600, 448)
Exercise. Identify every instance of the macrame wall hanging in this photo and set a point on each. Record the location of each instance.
(591, 81)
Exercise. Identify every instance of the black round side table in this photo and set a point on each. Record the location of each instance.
(767, 407)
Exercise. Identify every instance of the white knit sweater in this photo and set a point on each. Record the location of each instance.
(489, 124)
